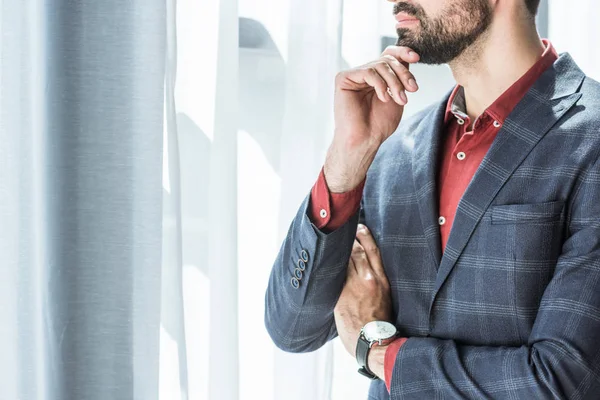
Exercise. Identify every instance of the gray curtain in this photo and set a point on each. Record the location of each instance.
(81, 125)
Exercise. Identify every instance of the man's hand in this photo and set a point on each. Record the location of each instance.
(366, 295)
(366, 115)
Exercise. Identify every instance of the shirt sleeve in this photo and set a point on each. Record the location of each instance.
(329, 211)
(390, 360)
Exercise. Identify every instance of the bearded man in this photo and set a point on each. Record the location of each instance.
(456, 253)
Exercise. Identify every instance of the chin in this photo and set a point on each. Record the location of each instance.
(406, 37)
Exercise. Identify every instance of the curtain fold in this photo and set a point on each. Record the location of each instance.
(223, 206)
(81, 102)
(173, 375)
(199, 325)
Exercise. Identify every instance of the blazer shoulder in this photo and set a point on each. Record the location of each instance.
(584, 116)
(590, 91)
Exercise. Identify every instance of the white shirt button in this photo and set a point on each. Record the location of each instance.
(461, 156)
(497, 124)
(460, 121)
(441, 220)
(323, 213)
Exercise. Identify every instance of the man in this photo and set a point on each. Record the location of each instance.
(479, 273)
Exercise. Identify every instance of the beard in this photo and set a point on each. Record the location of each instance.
(441, 39)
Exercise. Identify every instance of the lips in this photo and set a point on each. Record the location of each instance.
(404, 17)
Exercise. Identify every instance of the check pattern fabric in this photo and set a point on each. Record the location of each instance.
(511, 309)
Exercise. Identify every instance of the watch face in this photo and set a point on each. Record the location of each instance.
(379, 330)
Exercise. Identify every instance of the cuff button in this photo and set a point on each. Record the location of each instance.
(298, 273)
(301, 265)
(295, 283)
(304, 255)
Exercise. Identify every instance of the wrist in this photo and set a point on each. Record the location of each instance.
(346, 166)
(376, 360)
(374, 339)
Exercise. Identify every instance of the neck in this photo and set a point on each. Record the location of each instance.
(495, 61)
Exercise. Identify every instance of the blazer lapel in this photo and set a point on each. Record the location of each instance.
(428, 142)
(554, 93)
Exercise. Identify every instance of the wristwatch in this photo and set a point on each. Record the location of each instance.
(375, 332)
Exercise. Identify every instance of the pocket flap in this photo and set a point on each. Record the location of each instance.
(527, 213)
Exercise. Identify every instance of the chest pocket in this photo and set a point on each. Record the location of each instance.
(529, 238)
(520, 244)
(534, 213)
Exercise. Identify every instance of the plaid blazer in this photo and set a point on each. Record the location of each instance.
(511, 309)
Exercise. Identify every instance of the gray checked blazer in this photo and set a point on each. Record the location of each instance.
(511, 309)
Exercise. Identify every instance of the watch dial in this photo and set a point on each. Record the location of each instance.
(379, 330)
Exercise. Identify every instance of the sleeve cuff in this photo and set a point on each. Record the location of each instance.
(329, 211)
(390, 359)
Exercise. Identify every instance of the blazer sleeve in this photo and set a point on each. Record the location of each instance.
(300, 319)
(562, 356)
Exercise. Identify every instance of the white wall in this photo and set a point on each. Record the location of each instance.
(573, 27)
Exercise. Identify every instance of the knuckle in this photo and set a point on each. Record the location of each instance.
(389, 68)
(384, 64)
(371, 283)
(372, 249)
(371, 70)
(360, 260)
(391, 59)
(340, 76)
(401, 68)
(358, 250)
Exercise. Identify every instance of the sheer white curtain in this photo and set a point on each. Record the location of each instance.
(199, 328)
(248, 121)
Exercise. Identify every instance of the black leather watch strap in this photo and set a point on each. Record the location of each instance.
(362, 356)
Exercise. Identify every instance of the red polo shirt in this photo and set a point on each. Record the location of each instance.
(466, 144)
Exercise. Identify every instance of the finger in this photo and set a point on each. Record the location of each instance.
(404, 54)
(393, 83)
(359, 257)
(364, 77)
(406, 77)
(367, 241)
(376, 81)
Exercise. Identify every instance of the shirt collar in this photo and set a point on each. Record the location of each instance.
(503, 106)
